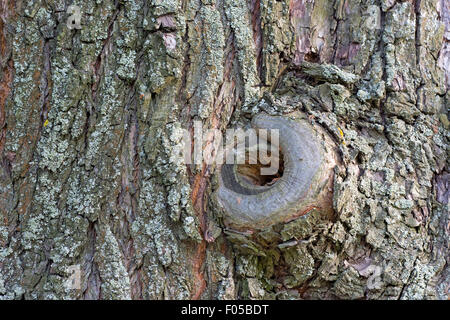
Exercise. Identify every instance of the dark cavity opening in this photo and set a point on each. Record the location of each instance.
(251, 173)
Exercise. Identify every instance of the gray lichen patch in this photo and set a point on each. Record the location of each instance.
(110, 262)
(329, 73)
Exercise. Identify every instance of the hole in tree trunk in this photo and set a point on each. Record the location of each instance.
(251, 172)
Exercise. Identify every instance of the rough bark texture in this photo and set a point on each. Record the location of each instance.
(90, 123)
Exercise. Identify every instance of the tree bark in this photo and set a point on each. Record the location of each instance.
(90, 122)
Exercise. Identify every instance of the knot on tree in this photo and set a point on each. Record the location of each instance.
(255, 194)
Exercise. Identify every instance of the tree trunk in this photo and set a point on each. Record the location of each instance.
(92, 184)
